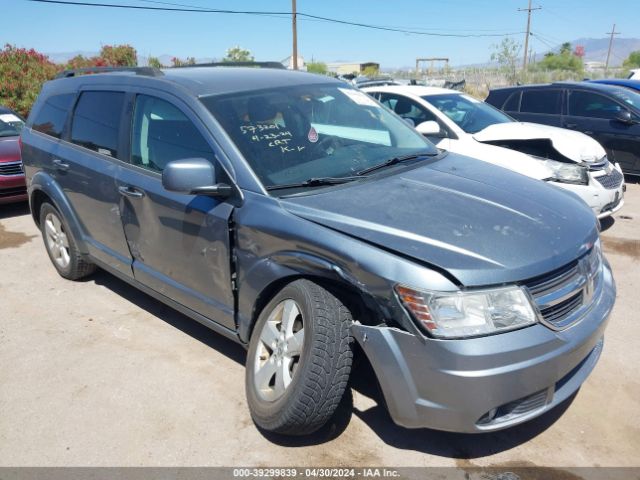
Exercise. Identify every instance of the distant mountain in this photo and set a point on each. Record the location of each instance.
(595, 49)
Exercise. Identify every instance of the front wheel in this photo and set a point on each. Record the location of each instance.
(299, 359)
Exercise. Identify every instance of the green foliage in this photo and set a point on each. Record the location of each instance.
(506, 54)
(633, 60)
(317, 67)
(22, 73)
(80, 61)
(178, 62)
(371, 71)
(238, 54)
(119, 56)
(565, 60)
(154, 62)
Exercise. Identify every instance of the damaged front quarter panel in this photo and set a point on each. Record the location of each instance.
(274, 247)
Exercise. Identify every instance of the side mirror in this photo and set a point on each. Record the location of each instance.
(430, 128)
(193, 176)
(625, 116)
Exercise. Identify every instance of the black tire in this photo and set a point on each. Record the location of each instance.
(322, 373)
(78, 267)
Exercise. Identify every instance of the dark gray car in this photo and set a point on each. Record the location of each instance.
(297, 216)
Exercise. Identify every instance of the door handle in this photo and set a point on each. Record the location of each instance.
(129, 191)
(570, 125)
(60, 165)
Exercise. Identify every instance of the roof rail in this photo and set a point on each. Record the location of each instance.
(147, 71)
(276, 65)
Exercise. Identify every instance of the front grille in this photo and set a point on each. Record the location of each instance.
(559, 313)
(10, 192)
(552, 281)
(563, 293)
(11, 168)
(612, 180)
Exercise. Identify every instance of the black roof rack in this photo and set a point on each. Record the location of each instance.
(147, 71)
(276, 65)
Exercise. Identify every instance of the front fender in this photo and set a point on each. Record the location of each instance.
(46, 184)
(258, 283)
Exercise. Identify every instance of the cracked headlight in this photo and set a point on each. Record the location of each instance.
(468, 314)
(568, 172)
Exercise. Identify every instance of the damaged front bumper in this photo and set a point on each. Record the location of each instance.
(488, 383)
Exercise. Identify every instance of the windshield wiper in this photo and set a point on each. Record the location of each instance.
(395, 161)
(315, 182)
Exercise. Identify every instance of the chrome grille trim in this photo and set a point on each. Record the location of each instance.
(612, 180)
(563, 296)
(11, 168)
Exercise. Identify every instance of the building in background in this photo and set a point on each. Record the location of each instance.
(346, 68)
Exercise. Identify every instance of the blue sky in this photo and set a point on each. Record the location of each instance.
(58, 28)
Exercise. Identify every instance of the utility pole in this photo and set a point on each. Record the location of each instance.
(612, 33)
(526, 38)
(295, 34)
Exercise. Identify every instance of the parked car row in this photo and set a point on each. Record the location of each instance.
(12, 184)
(298, 216)
(461, 124)
(610, 114)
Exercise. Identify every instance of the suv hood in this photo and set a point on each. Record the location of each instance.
(575, 146)
(484, 225)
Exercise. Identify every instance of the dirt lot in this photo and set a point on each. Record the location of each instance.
(96, 373)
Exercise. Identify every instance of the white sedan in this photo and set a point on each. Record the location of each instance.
(461, 124)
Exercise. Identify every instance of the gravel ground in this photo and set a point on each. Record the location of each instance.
(96, 373)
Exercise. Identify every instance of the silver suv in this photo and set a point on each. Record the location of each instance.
(297, 216)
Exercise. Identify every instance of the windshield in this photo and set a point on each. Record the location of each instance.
(10, 124)
(628, 96)
(469, 114)
(292, 134)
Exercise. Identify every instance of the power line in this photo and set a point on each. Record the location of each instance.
(192, 9)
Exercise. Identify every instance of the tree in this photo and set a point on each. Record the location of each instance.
(506, 53)
(154, 62)
(565, 48)
(178, 62)
(564, 60)
(238, 54)
(317, 67)
(23, 72)
(119, 55)
(371, 71)
(80, 61)
(633, 60)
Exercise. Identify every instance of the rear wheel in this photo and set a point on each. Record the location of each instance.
(61, 246)
(299, 359)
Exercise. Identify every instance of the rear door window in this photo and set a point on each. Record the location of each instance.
(162, 133)
(407, 108)
(541, 101)
(96, 121)
(52, 115)
(513, 103)
(593, 105)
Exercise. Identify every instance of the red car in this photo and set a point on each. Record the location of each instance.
(12, 183)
